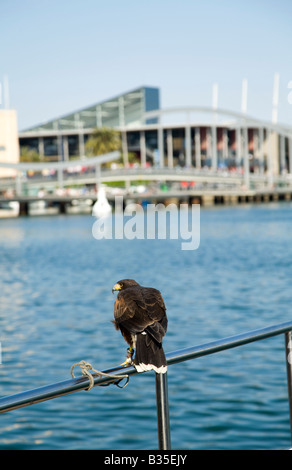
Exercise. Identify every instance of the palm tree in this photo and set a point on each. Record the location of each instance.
(103, 140)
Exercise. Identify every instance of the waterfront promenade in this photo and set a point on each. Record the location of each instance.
(64, 185)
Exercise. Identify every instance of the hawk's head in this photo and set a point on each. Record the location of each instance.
(124, 284)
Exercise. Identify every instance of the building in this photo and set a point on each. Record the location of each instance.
(199, 137)
(65, 137)
(9, 145)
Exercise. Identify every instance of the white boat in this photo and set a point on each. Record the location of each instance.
(41, 208)
(9, 209)
(79, 206)
(102, 207)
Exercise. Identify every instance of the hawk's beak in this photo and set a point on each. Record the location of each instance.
(116, 287)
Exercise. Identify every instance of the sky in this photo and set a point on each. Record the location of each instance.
(62, 55)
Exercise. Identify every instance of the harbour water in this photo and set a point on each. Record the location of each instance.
(56, 308)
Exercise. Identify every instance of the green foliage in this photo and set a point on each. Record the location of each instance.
(103, 140)
(29, 155)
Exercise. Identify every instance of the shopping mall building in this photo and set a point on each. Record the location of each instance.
(197, 137)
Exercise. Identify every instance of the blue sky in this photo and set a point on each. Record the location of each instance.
(62, 55)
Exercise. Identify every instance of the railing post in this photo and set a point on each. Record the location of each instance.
(163, 425)
(288, 346)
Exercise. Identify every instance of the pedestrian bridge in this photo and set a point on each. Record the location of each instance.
(89, 171)
(198, 178)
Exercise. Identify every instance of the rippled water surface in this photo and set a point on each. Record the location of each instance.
(56, 308)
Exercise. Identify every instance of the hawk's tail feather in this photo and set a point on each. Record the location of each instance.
(149, 355)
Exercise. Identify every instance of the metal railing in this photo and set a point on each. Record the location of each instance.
(65, 387)
(64, 176)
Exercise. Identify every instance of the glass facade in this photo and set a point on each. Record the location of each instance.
(50, 146)
(73, 146)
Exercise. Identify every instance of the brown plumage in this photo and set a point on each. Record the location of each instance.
(140, 315)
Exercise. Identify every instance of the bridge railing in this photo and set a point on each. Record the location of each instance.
(116, 374)
(93, 174)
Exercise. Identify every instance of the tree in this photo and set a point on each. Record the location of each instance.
(103, 140)
(29, 155)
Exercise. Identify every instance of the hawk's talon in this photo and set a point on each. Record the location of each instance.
(128, 361)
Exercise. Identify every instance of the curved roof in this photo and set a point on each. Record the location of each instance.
(239, 119)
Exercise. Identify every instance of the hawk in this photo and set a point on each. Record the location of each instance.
(140, 315)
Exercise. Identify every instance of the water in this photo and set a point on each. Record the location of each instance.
(56, 306)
